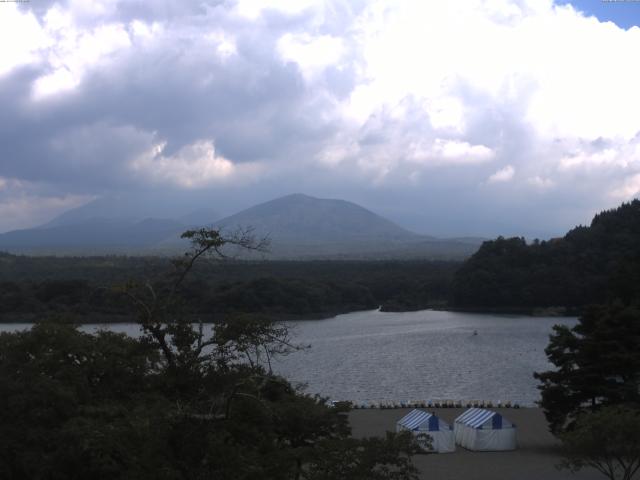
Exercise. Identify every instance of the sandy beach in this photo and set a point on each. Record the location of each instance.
(535, 458)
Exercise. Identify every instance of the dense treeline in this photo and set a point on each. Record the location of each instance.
(37, 287)
(180, 402)
(594, 264)
(589, 265)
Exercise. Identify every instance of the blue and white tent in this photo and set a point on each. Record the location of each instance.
(422, 423)
(484, 430)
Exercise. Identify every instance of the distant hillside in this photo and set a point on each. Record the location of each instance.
(303, 219)
(299, 226)
(591, 264)
(96, 235)
(135, 207)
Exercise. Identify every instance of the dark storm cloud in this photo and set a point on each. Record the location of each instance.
(252, 105)
(228, 103)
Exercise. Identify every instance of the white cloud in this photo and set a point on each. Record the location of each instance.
(25, 204)
(503, 175)
(603, 157)
(384, 93)
(253, 9)
(64, 49)
(335, 154)
(446, 112)
(29, 210)
(540, 182)
(7, 184)
(620, 154)
(73, 52)
(462, 152)
(311, 53)
(20, 38)
(194, 166)
(569, 76)
(449, 152)
(225, 44)
(629, 188)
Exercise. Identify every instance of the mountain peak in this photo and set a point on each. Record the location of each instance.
(294, 196)
(299, 226)
(302, 219)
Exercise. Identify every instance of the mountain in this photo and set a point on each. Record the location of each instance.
(299, 227)
(303, 219)
(92, 236)
(135, 207)
(199, 217)
(590, 264)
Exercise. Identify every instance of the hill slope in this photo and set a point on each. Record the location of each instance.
(96, 235)
(299, 226)
(303, 219)
(591, 264)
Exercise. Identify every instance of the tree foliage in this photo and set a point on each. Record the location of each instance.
(589, 265)
(607, 440)
(597, 363)
(35, 287)
(180, 402)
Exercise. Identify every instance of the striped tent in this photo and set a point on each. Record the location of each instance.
(422, 423)
(484, 430)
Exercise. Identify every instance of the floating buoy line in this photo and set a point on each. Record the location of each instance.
(387, 404)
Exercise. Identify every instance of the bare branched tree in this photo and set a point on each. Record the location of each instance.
(164, 322)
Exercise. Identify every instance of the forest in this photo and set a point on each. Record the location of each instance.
(81, 288)
(590, 265)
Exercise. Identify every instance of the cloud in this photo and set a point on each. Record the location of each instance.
(312, 54)
(191, 167)
(22, 203)
(629, 188)
(449, 152)
(540, 182)
(73, 53)
(503, 175)
(391, 103)
(21, 36)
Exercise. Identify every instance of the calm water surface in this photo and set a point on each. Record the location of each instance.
(375, 356)
(378, 356)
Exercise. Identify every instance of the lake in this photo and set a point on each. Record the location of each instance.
(425, 355)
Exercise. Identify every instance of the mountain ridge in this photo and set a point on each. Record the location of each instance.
(299, 226)
(299, 217)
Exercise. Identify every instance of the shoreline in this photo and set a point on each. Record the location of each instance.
(103, 318)
(533, 312)
(536, 457)
(106, 319)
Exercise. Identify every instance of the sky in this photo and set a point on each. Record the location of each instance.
(474, 117)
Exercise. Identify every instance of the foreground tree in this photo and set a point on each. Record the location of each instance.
(178, 403)
(369, 459)
(607, 440)
(598, 364)
(74, 405)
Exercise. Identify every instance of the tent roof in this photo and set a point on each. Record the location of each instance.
(419, 419)
(477, 417)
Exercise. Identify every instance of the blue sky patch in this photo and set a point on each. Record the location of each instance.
(625, 14)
